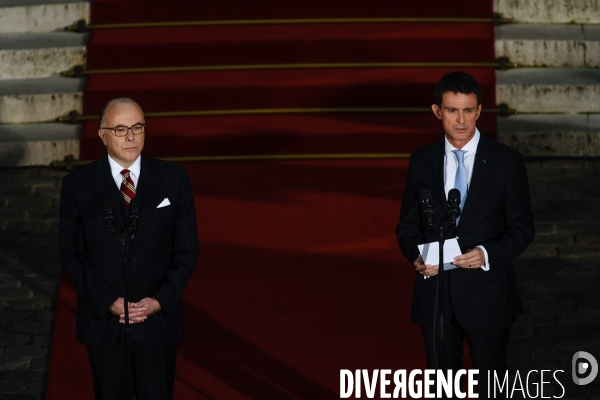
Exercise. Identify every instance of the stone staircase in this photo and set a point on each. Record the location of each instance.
(557, 94)
(34, 49)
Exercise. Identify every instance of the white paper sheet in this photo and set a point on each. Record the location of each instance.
(431, 253)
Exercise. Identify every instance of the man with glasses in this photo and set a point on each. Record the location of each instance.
(160, 257)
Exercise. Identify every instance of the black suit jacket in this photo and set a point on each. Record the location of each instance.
(161, 257)
(496, 214)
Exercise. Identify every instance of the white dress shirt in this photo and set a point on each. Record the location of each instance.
(134, 171)
(450, 167)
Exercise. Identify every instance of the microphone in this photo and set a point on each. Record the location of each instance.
(135, 215)
(453, 207)
(426, 207)
(108, 217)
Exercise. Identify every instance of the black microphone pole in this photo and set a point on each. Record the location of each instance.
(109, 220)
(130, 230)
(440, 300)
(126, 307)
(453, 214)
(425, 200)
(427, 211)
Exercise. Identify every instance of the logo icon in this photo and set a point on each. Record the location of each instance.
(581, 368)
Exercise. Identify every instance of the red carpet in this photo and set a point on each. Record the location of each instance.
(291, 88)
(113, 11)
(274, 44)
(299, 274)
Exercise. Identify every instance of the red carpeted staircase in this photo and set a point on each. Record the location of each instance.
(295, 88)
(299, 275)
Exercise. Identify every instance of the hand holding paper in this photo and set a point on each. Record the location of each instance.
(473, 259)
(426, 270)
(431, 254)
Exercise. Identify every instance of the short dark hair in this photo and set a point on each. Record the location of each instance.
(456, 82)
(122, 100)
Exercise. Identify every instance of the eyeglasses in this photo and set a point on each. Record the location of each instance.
(122, 131)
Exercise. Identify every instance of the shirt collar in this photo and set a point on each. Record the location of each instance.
(469, 147)
(116, 168)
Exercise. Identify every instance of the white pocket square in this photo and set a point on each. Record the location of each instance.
(164, 203)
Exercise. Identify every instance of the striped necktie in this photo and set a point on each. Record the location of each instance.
(127, 187)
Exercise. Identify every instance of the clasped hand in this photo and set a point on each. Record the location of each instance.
(472, 259)
(138, 312)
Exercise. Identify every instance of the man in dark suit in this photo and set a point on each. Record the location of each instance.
(160, 258)
(496, 225)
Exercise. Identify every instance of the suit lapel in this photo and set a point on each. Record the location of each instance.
(438, 190)
(104, 185)
(483, 159)
(150, 188)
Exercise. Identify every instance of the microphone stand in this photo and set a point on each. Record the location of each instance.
(122, 238)
(452, 215)
(440, 298)
(428, 215)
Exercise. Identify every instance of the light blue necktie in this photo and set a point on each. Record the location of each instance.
(461, 181)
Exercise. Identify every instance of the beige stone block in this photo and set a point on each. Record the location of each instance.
(542, 53)
(37, 63)
(42, 18)
(574, 144)
(36, 153)
(550, 11)
(550, 98)
(38, 107)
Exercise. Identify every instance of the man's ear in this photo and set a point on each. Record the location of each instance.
(478, 111)
(438, 112)
(102, 136)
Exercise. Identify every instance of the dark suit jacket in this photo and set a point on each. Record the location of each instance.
(161, 257)
(496, 214)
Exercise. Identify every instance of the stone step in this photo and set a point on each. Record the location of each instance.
(36, 55)
(539, 45)
(20, 16)
(552, 135)
(550, 11)
(37, 144)
(548, 90)
(39, 99)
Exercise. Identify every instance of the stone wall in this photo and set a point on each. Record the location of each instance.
(29, 277)
(559, 274)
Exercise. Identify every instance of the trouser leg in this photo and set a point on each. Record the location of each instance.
(109, 372)
(488, 353)
(453, 347)
(154, 371)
